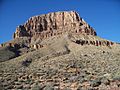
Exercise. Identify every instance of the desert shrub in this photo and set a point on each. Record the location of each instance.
(37, 87)
(67, 49)
(81, 80)
(26, 62)
(79, 88)
(105, 81)
(48, 87)
(116, 76)
(67, 88)
(95, 83)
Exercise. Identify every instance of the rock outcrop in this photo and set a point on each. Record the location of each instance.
(58, 23)
(96, 43)
(51, 24)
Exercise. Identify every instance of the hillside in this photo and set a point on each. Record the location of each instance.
(59, 51)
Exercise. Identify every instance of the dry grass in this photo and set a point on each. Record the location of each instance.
(64, 64)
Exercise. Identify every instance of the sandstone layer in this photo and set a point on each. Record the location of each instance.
(53, 24)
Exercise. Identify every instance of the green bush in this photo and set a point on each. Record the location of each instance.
(95, 83)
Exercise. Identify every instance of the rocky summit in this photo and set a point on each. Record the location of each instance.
(59, 51)
(53, 24)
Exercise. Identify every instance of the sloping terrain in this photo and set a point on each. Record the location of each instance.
(7, 53)
(63, 64)
(64, 61)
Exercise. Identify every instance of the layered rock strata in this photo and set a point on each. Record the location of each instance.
(81, 42)
(52, 24)
(41, 27)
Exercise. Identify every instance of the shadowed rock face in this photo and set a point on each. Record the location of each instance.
(51, 24)
(96, 43)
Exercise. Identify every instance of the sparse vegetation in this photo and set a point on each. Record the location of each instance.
(27, 62)
(67, 61)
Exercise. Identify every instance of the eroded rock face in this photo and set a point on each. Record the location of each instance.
(20, 32)
(96, 42)
(51, 24)
(38, 28)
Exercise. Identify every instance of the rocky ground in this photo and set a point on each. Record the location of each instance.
(64, 65)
